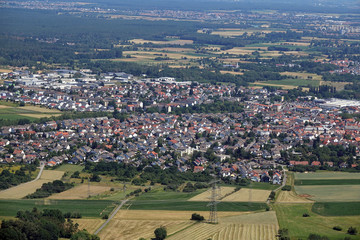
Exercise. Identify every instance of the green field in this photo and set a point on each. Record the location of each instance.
(70, 168)
(328, 182)
(87, 208)
(183, 205)
(327, 175)
(290, 217)
(159, 194)
(330, 193)
(337, 208)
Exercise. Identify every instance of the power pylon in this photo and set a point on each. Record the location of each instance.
(215, 193)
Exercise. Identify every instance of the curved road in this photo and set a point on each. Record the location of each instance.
(42, 165)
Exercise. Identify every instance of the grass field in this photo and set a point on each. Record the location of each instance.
(291, 82)
(14, 112)
(172, 42)
(183, 205)
(290, 217)
(22, 190)
(327, 175)
(330, 193)
(337, 208)
(70, 168)
(328, 182)
(87, 208)
(248, 195)
(80, 192)
(303, 75)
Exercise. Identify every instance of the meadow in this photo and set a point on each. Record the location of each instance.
(337, 208)
(327, 182)
(290, 216)
(326, 175)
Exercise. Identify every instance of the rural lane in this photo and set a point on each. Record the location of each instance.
(42, 166)
(111, 216)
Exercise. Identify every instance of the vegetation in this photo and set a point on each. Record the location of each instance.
(160, 233)
(48, 224)
(197, 217)
(47, 189)
(337, 208)
(9, 179)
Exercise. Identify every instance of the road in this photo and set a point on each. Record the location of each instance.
(111, 216)
(284, 180)
(42, 166)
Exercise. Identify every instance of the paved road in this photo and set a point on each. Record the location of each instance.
(111, 216)
(284, 180)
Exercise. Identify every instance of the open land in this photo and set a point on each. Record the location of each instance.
(11, 112)
(330, 193)
(24, 189)
(248, 195)
(90, 224)
(290, 217)
(80, 192)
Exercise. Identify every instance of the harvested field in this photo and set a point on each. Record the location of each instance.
(24, 189)
(248, 226)
(80, 192)
(302, 75)
(291, 197)
(205, 196)
(248, 195)
(331, 193)
(91, 225)
(38, 115)
(5, 70)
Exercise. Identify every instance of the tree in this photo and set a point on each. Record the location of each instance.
(84, 235)
(197, 217)
(160, 233)
(352, 231)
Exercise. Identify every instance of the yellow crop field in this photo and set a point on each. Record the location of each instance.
(248, 195)
(236, 50)
(38, 115)
(291, 197)
(231, 72)
(5, 70)
(91, 225)
(257, 226)
(80, 192)
(41, 109)
(205, 196)
(24, 189)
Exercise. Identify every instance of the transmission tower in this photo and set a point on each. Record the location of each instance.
(213, 201)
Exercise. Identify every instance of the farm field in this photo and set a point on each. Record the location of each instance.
(248, 195)
(327, 175)
(172, 42)
(14, 112)
(90, 224)
(183, 205)
(303, 75)
(134, 224)
(330, 193)
(291, 197)
(80, 192)
(87, 208)
(290, 217)
(205, 196)
(328, 182)
(337, 208)
(290, 82)
(24, 189)
(257, 226)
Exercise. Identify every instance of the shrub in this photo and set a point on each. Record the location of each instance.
(160, 233)
(317, 237)
(337, 228)
(105, 216)
(197, 217)
(286, 188)
(306, 215)
(352, 231)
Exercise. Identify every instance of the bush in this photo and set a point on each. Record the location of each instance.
(352, 231)
(197, 217)
(105, 216)
(317, 237)
(286, 188)
(160, 233)
(337, 228)
(272, 195)
(306, 215)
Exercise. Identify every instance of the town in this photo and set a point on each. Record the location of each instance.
(159, 128)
